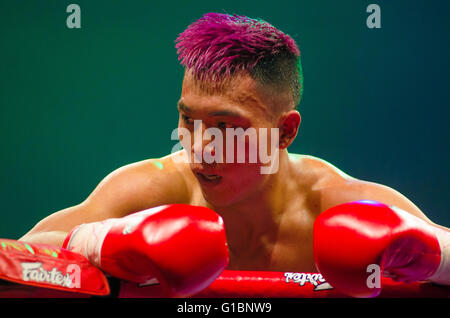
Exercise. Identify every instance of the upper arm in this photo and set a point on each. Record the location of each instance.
(136, 187)
(129, 189)
(355, 190)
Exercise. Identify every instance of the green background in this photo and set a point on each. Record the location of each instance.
(78, 103)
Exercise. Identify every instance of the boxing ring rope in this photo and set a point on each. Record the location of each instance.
(265, 284)
(245, 284)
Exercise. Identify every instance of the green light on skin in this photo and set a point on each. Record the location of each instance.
(158, 164)
(294, 156)
(29, 249)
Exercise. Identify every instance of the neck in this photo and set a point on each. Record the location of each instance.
(252, 224)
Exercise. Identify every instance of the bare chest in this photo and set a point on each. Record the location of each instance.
(291, 249)
(288, 248)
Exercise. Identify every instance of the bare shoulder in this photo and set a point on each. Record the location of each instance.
(332, 187)
(149, 170)
(311, 176)
(318, 172)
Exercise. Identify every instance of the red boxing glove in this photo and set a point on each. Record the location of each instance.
(183, 247)
(351, 237)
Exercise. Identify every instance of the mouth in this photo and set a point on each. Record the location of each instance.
(208, 179)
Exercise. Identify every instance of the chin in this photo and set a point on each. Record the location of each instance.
(219, 198)
(235, 185)
(228, 197)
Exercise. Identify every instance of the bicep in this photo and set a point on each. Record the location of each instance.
(138, 186)
(363, 190)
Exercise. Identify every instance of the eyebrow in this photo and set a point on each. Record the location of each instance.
(224, 113)
(183, 107)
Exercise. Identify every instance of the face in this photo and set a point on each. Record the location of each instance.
(211, 114)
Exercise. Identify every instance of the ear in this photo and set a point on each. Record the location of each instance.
(288, 124)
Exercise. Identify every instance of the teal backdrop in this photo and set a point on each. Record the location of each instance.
(78, 103)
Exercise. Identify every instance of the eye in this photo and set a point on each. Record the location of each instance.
(222, 125)
(187, 120)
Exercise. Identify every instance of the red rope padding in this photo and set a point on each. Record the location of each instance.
(48, 267)
(248, 284)
(269, 284)
(243, 284)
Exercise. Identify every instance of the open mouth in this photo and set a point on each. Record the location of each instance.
(209, 178)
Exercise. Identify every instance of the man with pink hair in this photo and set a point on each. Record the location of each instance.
(306, 216)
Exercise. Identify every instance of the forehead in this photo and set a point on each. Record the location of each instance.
(240, 92)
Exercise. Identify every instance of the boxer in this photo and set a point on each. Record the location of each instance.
(245, 73)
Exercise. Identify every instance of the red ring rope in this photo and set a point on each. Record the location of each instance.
(260, 284)
(248, 284)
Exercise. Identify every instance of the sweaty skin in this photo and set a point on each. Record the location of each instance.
(268, 218)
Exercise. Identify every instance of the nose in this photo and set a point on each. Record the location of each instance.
(201, 143)
(207, 143)
(199, 129)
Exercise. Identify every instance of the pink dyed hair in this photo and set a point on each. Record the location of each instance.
(218, 45)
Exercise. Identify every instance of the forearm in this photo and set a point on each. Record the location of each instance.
(442, 275)
(55, 238)
(53, 229)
